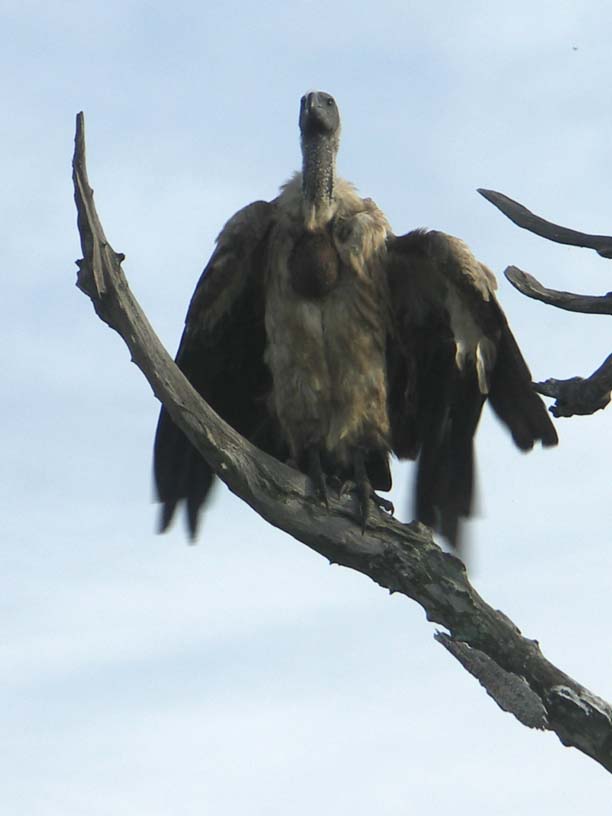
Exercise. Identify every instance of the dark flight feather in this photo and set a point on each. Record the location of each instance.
(435, 404)
(221, 354)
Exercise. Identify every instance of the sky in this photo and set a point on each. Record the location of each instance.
(244, 674)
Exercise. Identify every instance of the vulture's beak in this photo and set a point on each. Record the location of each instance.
(316, 113)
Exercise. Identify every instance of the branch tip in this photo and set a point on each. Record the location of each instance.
(569, 301)
(524, 218)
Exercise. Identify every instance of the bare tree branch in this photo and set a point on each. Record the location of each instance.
(580, 396)
(530, 286)
(577, 395)
(403, 558)
(522, 217)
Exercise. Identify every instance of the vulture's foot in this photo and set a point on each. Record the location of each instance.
(365, 492)
(315, 471)
(384, 504)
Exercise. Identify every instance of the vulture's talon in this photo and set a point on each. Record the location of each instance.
(383, 504)
(364, 491)
(315, 471)
(346, 487)
(366, 494)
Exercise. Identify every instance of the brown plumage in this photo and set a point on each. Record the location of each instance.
(314, 265)
(330, 342)
(454, 351)
(326, 354)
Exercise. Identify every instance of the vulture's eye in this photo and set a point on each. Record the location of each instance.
(330, 101)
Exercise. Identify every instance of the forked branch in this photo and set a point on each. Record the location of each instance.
(403, 558)
(580, 396)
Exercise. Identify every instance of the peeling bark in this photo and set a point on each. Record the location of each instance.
(400, 557)
(510, 691)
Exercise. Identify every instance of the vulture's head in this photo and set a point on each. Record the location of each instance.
(319, 116)
(320, 137)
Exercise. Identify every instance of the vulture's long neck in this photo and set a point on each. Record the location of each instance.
(318, 179)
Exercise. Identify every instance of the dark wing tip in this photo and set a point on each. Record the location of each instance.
(551, 439)
(528, 425)
(451, 529)
(166, 515)
(194, 503)
(168, 510)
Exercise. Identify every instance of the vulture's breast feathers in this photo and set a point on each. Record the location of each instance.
(326, 323)
(343, 242)
(314, 265)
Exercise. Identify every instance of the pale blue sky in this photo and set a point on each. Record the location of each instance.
(245, 675)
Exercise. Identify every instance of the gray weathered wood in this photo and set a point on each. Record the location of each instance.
(510, 692)
(580, 396)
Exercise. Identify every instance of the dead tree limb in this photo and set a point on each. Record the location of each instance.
(579, 396)
(524, 218)
(400, 557)
(528, 285)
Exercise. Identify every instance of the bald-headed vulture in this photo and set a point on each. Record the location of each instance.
(331, 343)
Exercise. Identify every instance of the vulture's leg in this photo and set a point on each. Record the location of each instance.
(365, 491)
(315, 471)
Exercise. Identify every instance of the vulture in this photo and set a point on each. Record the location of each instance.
(331, 343)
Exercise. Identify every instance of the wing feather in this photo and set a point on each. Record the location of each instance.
(221, 353)
(450, 348)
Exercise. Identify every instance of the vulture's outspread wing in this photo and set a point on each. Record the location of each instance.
(450, 349)
(221, 353)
